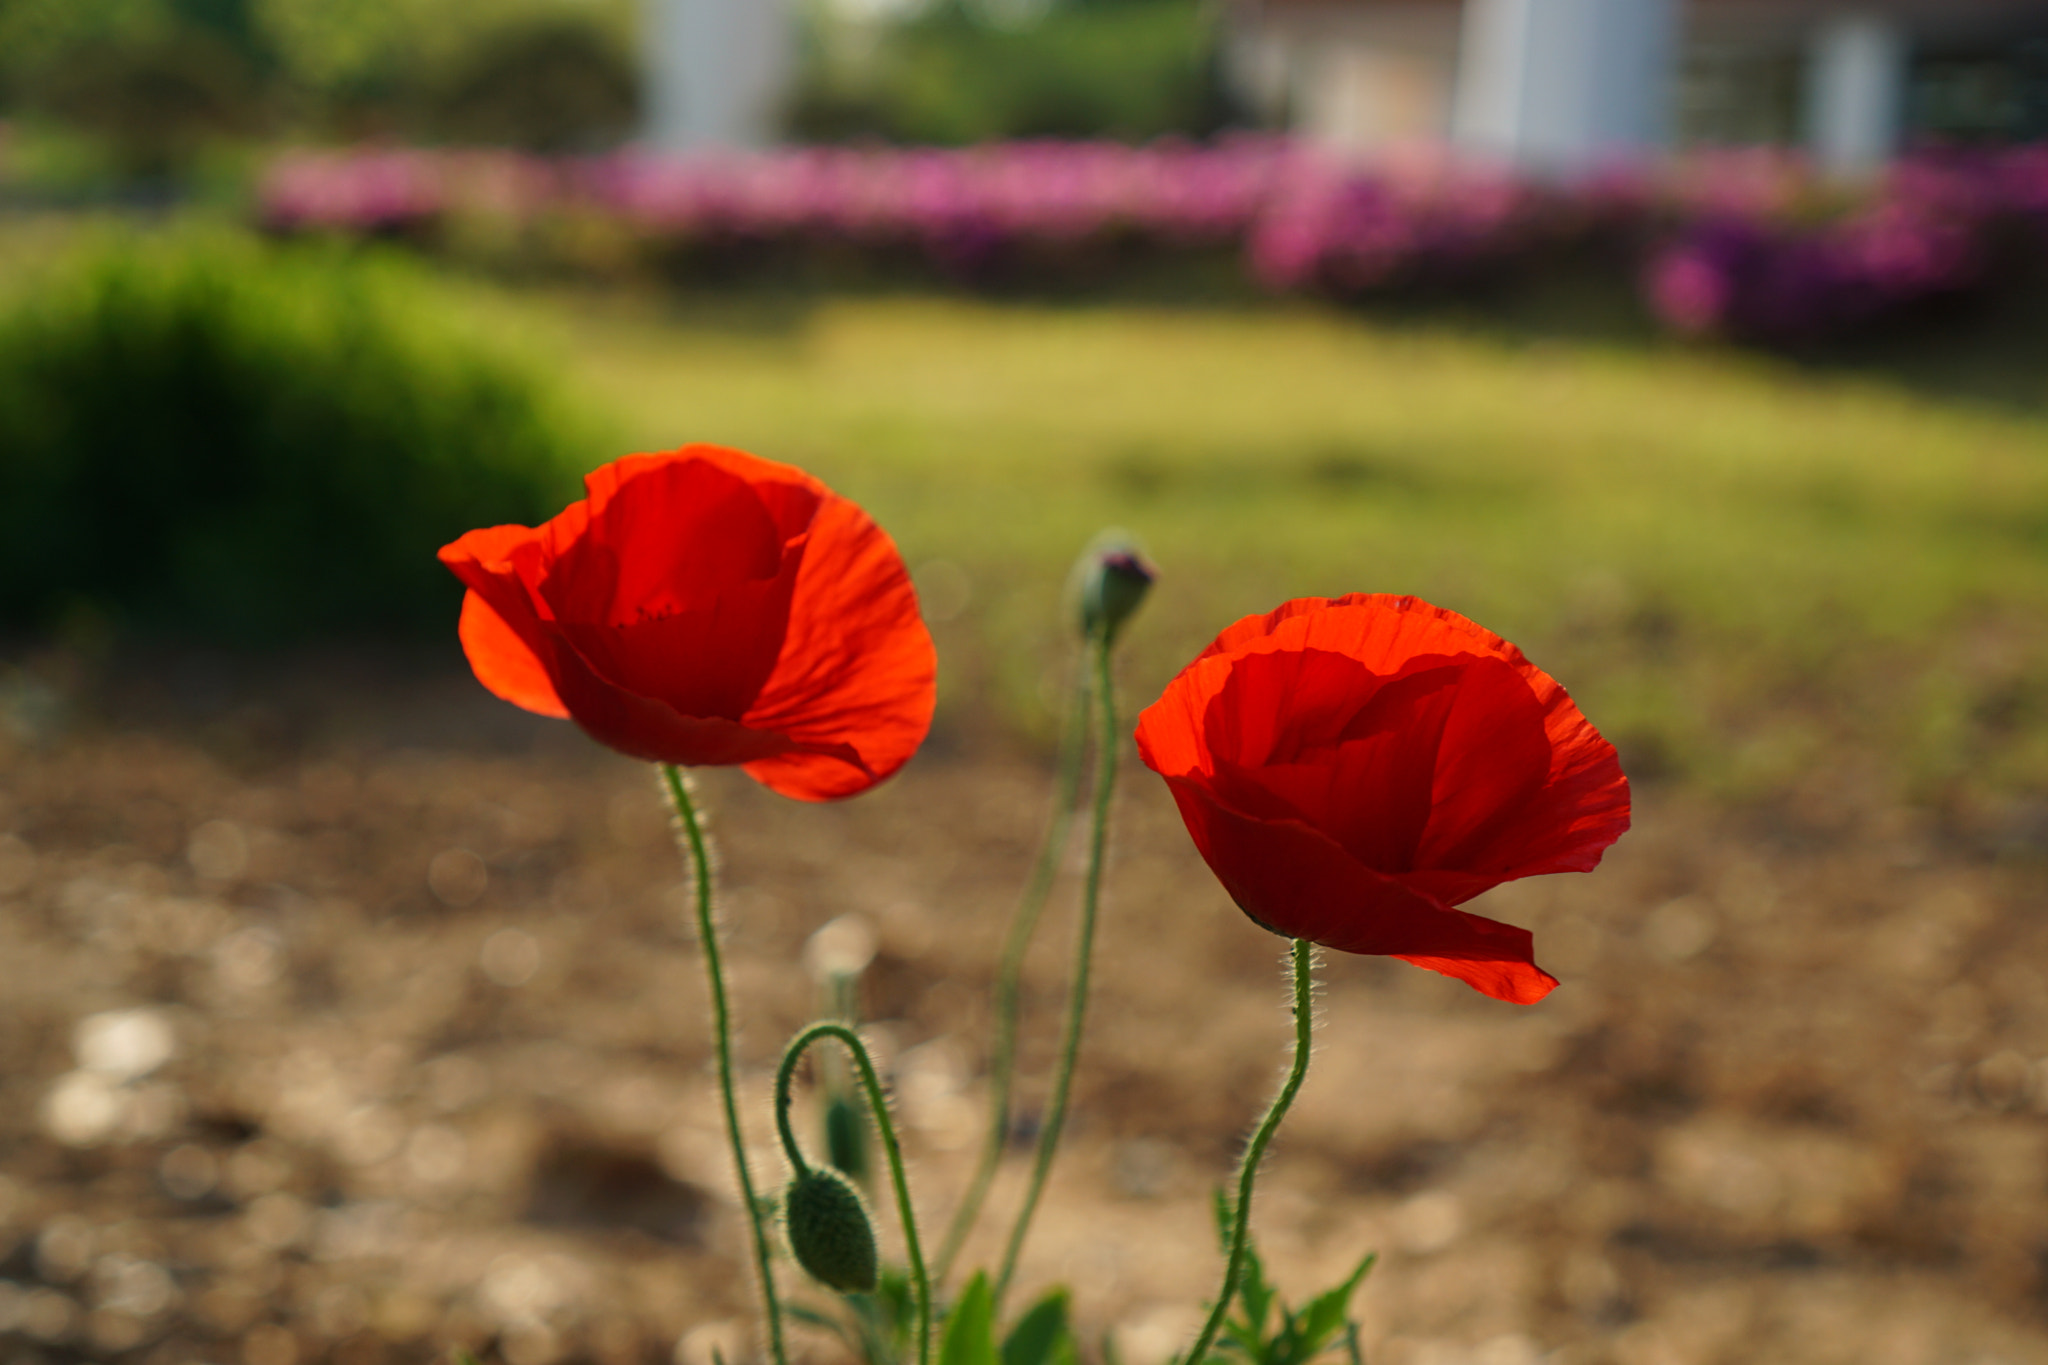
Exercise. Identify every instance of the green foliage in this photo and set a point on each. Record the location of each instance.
(391, 53)
(970, 1337)
(1134, 70)
(1044, 1335)
(34, 33)
(553, 84)
(879, 1327)
(211, 435)
(1265, 1331)
(882, 1325)
(157, 77)
(156, 101)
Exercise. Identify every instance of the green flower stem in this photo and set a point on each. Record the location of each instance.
(1023, 925)
(721, 1028)
(1084, 949)
(1241, 1211)
(920, 1281)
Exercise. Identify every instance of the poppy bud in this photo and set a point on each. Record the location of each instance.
(846, 1136)
(829, 1231)
(1113, 578)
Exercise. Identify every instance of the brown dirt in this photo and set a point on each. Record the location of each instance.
(437, 1065)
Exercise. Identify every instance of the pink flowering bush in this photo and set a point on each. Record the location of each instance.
(1746, 246)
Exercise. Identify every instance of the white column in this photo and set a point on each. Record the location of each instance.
(1855, 94)
(718, 71)
(1559, 86)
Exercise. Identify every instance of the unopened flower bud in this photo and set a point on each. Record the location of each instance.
(1113, 579)
(829, 1231)
(846, 1137)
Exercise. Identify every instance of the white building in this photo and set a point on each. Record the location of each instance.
(717, 71)
(1563, 85)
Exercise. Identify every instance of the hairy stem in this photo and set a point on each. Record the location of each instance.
(1247, 1172)
(1023, 925)
(872, 1084)
(721, 1029)
(1084, 951)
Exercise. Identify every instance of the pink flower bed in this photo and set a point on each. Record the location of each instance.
(1745, 245)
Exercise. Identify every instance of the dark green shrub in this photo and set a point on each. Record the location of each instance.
(211, 435)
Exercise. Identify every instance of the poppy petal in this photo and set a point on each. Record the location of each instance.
(856, 681)
(1358, 755)
(1509, 979)
(505, 660)
(705, 606)
(643, 727)
(501, 620)
(1296, 881)
(1353, 768)
(659, 537)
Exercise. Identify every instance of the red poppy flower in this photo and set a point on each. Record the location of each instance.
(1351, 769)
(708, 606)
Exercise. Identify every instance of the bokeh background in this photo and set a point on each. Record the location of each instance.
(1700, 348)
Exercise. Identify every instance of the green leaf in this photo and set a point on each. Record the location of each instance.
(1219, 1202)
(1325, 1315)
(1039, 1333)
(1286, 1348)
(893, 1310)
(812, 1317)
(1252, 1290)
(971, 1327)
(1240, 1335)
(897, 1290)
(879, 1344)
(884, 1318)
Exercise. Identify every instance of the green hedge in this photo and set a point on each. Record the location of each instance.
(206, 434)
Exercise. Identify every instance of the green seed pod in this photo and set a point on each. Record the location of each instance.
(846, 1137)
(829, 1231)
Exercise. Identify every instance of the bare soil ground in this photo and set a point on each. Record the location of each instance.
(350, 1015)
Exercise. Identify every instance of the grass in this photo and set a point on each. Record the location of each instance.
(1763, 579)
(1754, 576)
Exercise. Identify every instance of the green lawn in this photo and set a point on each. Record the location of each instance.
(1753, 577)
(1761, 579)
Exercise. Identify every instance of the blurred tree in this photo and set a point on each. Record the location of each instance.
(557, 83)
(379, 65)
(959, 71)
(155, 103)
(338, 51)
(232, 21)
(154, 79)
